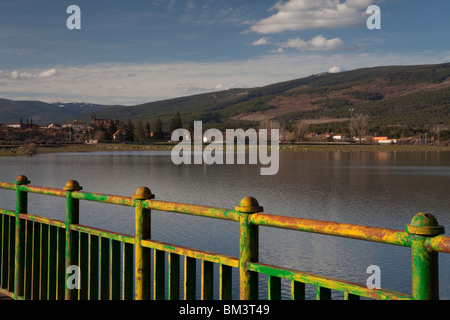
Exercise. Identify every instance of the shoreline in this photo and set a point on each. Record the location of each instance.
(296, 147)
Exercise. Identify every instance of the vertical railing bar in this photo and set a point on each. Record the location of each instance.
(104, 268)
(36, 264)
(114, 270)
(83, 263)
(207, 280)
(11, 253)
(93, 268)
(349, 296)
(127, 273)
(44, 262)
(225, 282)
(4, 252)
(297, 290)
(189, 278)
(274, 288)
(2, 216)
(323, 293)
(52, 258)
(28, 271)
(174, 276)
(159, 275)
(61, 260)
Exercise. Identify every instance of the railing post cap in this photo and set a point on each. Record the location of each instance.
(72, 185)
(21, 180)
(249, 205)
(143, 193)
(425, 224)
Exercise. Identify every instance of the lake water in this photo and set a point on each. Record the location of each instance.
(383, 189)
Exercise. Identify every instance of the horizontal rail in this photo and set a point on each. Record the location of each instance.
(204, 211)
(192, 253)
(104, 198)
(327, 282)
(103, 233)
(338, 229)
(7, 186)
(439, 244)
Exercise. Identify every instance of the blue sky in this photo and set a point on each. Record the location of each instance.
(136, 51)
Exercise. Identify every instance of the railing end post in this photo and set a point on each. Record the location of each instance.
(249, 248)
(425, 265)
(142, 254)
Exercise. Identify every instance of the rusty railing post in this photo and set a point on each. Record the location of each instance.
(142, 255)
(21, 207)
(425, 273)
(248, 252)
(72, 217)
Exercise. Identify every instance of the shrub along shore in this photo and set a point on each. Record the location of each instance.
(108, 147)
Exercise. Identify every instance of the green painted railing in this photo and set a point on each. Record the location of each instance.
(36, 252)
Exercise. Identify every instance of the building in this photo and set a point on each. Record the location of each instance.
(102, 122)
(76, 125)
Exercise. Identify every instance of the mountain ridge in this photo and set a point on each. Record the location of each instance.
(391, 95)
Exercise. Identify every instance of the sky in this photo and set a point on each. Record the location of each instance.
(136, 51)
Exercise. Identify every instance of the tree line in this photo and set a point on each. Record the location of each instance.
(139, 131)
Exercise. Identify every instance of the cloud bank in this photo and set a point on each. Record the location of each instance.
(130, 84)
(297, 15)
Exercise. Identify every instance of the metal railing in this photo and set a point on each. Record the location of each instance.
(37, 252)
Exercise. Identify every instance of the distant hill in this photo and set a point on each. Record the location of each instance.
(391, 95)
(43, 113)
(413, 96)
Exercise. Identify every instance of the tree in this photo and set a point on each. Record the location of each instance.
(112, 128)
(176, 123)
(301, 129)
(270, 124)
(139, 132)
(129, 131)
(147, 131)
(158, 133)
(436, 131)
(361, 125)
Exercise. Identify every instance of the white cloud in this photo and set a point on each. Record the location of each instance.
(260, 42)
(334, 69)
(296, 15)
(118, 87)
(46, 74)
(29, 75)
(318, 43)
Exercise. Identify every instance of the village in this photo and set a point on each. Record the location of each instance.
(114, 131)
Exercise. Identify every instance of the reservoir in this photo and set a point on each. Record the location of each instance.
(381, 189)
